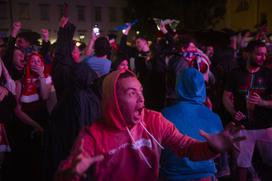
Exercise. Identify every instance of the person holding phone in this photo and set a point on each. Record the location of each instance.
(247, 97)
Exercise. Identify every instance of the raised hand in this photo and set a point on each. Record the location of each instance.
(83, 161)
(45, 34)
(16, 27)
(255, 99)
(126, 31)
(93, 36)
(162, 27)
(39, 69)
(238, 116)
(226, 139)
(3, 93)
(63, 21)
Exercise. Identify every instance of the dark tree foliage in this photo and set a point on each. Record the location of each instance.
(193, 14)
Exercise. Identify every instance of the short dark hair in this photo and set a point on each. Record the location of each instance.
(185, 41)
(252, 45)
(31, 37)
(141, 37)
(126, 74)
(119, 59)
(101, 46)
(112, 36)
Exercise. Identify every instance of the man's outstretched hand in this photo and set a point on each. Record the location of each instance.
(226, 139)
(83, 161)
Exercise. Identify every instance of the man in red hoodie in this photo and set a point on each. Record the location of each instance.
(126, 143)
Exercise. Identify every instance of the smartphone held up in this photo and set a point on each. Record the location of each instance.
(96, 30)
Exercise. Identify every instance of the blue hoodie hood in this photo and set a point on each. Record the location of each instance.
(191, 86)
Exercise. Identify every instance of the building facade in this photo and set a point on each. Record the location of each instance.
(85, 14)
(245, 14)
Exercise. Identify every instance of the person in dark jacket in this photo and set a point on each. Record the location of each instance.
(66, 54)
(149, 66)
(78, 107)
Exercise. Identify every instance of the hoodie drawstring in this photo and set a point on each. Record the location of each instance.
(152, 136)
(140, 151)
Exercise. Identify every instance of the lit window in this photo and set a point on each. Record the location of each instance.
(81, 13)
(3, 10)
(242, 6)
(44, 12)
(112, 14)
(24, 11)
(81, 35)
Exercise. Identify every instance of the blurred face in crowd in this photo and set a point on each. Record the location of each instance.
(35, 61)
(258, 56)
(112, 41)
(190, 48)
(18, 59)
(123, 65)
(22, 43)
(76, 54)
(130, 99)
(141, 44)
(210, 51)
(247, 34)
(245, 55)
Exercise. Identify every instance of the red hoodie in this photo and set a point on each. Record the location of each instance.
(131, 154)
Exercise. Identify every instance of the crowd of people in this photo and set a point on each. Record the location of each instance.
(174, 108)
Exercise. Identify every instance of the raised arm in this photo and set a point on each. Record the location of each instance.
(7, 58)
(124, 48)
(89, 49)
(64, 41)
(186, 146)
(45, 42)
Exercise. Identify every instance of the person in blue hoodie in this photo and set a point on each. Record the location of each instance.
(190, 115)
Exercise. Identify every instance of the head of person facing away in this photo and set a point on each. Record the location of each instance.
(83, 76)
(102, 47)
(75, 52)
(191, 86)
(122, 100)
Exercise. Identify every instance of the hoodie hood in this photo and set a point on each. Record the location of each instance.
(191, 86)
(110, 108)
(83, 76)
